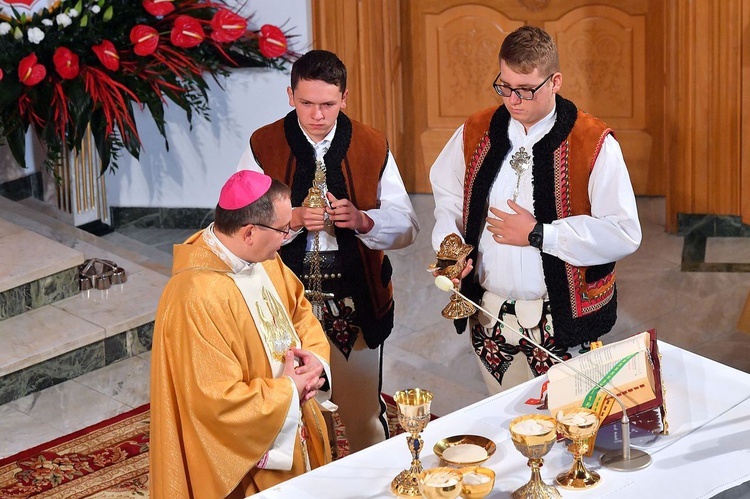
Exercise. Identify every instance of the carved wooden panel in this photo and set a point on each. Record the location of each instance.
(462, 44)
(602, 58)
(685, 94)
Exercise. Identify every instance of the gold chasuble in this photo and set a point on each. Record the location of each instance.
(217, 407)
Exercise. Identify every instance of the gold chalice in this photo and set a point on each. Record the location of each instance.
(578, 424)
(413, 416)
(451, 261)
(440, 483)
(534, 435)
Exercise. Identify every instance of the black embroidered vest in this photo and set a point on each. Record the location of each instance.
(583, 300)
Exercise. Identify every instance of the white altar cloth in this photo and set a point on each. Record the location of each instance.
(706, 452)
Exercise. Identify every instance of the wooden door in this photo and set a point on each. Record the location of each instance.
(610, 56)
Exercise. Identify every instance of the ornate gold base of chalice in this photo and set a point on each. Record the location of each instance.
(451, 261)
(413, 416)
(578, 425)
(533, 436)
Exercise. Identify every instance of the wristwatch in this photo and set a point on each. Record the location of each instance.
(536, 236)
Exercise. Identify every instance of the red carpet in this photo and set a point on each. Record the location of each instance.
(109, 456)
(107, 460)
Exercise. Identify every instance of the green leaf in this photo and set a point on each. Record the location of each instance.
(130, 137)
(156, 107)
(17, 145)
(79, 7)
(80, 106)
(84, 21)
(10, 90)
(103, 144)
(108, 14)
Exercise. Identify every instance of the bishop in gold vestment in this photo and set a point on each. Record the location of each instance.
(217, 409)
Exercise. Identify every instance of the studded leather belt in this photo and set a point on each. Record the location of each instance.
(331, 270)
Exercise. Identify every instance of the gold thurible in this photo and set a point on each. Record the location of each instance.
(451, 261)
(316, 199)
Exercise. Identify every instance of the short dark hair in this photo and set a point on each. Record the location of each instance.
(260, 211)
(529, 48)
(319, 65)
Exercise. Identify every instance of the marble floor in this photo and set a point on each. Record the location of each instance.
(697, 311)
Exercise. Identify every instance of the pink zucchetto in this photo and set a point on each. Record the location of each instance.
(243, 188)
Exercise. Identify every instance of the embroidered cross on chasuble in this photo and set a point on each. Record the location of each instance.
(278, 335)
(271, 318)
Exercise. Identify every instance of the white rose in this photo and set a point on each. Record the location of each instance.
(4, 28)
(96, 9)
(48, 22)
(63, 20)
(36, 35)
(73, 13)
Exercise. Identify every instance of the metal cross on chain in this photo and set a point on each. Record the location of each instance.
(520, 162)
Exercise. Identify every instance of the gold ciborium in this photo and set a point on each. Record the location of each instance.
(451, 261)
(578, 424)
(413, 416)
(533, 436)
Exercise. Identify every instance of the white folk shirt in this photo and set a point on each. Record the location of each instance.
(395, 223)
(609, 234)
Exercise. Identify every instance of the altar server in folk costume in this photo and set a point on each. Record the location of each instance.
(350, 204)
(541, 190)
(238, 357)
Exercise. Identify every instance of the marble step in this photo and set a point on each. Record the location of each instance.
(78, 334)
(34, 271)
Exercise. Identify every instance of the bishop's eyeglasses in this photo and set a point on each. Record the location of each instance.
(521, 93)
(286, 230)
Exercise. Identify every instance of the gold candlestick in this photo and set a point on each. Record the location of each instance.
(413, 416)
(534, 441)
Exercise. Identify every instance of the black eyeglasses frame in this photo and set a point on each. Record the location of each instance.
(516, 91)
(281, 231)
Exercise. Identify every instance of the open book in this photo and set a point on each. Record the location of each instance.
(628, 368)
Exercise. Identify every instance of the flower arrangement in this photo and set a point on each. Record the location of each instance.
(76, 66)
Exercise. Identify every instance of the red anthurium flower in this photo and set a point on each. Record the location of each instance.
(158, 7)
(107, 54)
(227, 26)
(271, 41)
(66, 63)
(145, 38)
(29, 72)
(187, 32)
(1, 74)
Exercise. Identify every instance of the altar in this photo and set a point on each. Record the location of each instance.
(706, 452)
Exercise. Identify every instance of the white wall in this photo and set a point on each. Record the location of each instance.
(198, 162)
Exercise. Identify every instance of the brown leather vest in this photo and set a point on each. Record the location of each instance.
(363, 158)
